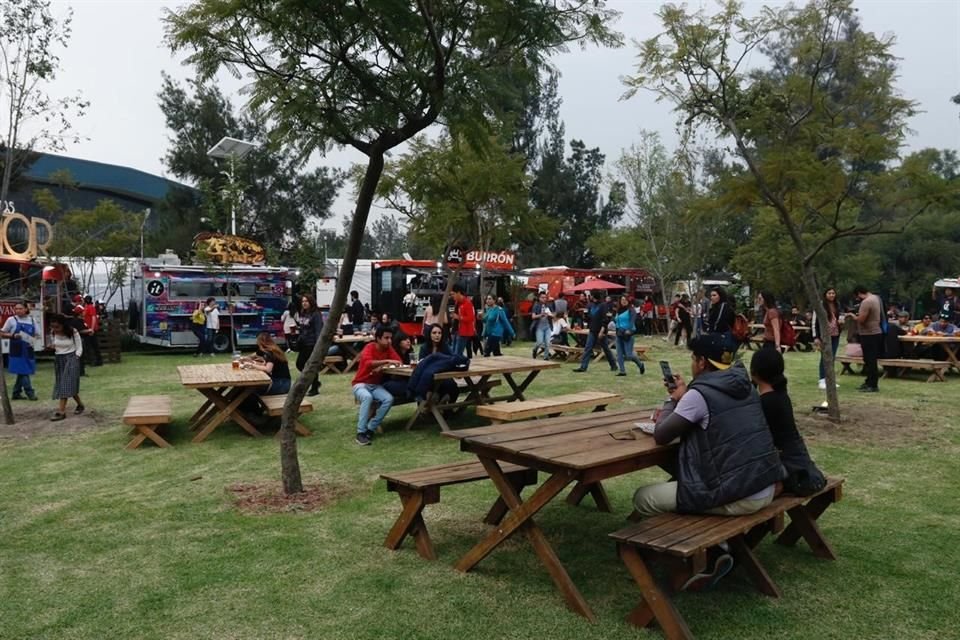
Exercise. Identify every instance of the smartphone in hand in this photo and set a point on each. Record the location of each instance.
(668, 375)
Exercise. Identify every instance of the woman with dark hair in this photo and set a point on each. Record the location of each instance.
(437, 342)
(683, 318)
(68, 349)
(833, 330)
(721, 315)
(310, 323)
(803, 476)
(771, 321)
(403, 345)
(289, 321)
(625, 324)
(274, 365)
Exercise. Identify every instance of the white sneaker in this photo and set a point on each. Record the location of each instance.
(822, 384)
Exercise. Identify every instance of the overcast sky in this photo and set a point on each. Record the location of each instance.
(116, 55)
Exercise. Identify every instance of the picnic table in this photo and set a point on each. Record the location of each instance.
(587, 449)
(350, 347)
(225, 389)
(950, 344)
(478, 383)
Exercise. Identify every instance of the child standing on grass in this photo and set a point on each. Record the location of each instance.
(68, 349)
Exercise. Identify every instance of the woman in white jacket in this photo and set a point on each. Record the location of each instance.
(68, 349)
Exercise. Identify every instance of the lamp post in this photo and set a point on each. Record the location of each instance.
(231, 149)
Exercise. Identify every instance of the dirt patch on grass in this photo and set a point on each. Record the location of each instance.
(868, 425)
(267, 497)
(33, 420)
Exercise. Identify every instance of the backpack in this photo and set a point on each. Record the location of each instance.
(788, 335)
(199, 317)
(740, 328)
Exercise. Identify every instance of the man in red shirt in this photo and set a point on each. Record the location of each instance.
(466, 317)
(367, 384)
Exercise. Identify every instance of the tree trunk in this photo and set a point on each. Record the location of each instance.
(4, 190)
(289, 461)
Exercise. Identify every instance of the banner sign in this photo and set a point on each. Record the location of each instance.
(21, 237)
(226, 249)
(491, 260)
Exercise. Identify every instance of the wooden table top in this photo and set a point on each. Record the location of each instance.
(574, 442)
(909, 338)
(485, 367)
(796, 327)
(220, 375)
(354, 338)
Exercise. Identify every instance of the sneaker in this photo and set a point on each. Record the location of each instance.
(16, 396)
(642, 367)
(822, 384)
(363, 439)
(869, 389)
(709, 578)
(579, 370)
(620, 374)
(56, 417)
(80, 408)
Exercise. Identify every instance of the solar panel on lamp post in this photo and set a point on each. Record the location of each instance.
(233, 150)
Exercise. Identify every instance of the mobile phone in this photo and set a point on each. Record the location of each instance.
(667, 375)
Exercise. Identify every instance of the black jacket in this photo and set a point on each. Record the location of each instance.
(720, 318)
(310, 330)
(422, 379)
(734, 456)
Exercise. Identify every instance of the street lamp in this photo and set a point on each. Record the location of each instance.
(233, 150)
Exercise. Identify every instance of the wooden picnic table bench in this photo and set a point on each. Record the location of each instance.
(145, 414)
(274, 407)
(681, 542)
(419, 487)
(330, 364)
(549, 407)
(897, 367)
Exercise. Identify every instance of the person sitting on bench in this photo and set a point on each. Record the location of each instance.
(368, 382)
(727, 463)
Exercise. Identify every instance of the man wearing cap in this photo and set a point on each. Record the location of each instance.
(942, 327)
(726, 463)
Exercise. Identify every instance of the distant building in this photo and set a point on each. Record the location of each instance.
(131, 189)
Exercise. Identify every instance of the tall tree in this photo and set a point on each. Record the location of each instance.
(372, 75)
(818, 129)
(274, 197)
(30, 119)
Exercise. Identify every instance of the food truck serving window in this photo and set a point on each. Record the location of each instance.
(193, 289)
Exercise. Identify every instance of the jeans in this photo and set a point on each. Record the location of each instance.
(542, 336)
(834, 345)
(201, 333)
(209, 334)
(593, 339)
(367, 394)
(278, 387)
(462, 346)
(625, 352)
(24, 385)
(871, 351)
(493, 346)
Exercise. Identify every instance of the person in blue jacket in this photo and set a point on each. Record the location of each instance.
(496, 326)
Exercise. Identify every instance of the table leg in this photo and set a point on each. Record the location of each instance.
(745, 558)
(521, 517)
(228, 404)
(951, 351)
(803, 523)
(518, 389)
(655, 604)
(350, 357)
(596, 490)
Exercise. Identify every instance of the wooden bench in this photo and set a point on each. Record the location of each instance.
(682, 542)
(330, 364)
(566, 352)
(847, 361)
(897, 367)
(550, 407)
(274, 407)
(145, 414)
(419, 487)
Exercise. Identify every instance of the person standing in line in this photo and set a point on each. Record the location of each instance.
(597, 317)
(311, 323)
(871, 336)
(833, 331)
(91, 344)
(22, 362)
(68, 349)
(198, 322)
(541, 318)
(626, 325)
(212, 311)
(495, 327)
(466, 317)
(771, 320)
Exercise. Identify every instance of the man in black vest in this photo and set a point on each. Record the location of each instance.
(726, 463)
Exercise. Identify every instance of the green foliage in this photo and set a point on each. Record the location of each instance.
(454, 195)
(30, 36)
(274, 198)
(105, 230)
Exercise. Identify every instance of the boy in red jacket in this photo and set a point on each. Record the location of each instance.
(367, 384)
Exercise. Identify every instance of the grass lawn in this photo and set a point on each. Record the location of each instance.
(99, 542)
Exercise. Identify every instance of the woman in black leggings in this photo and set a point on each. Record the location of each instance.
(310, 322)
(683, 320)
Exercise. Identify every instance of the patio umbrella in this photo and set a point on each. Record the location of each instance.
(596, 283)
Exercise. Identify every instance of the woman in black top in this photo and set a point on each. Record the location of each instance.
(403, 345)
(803, 476)
(437, 343)
(274, 365)
(720, 318)
(311, 323)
